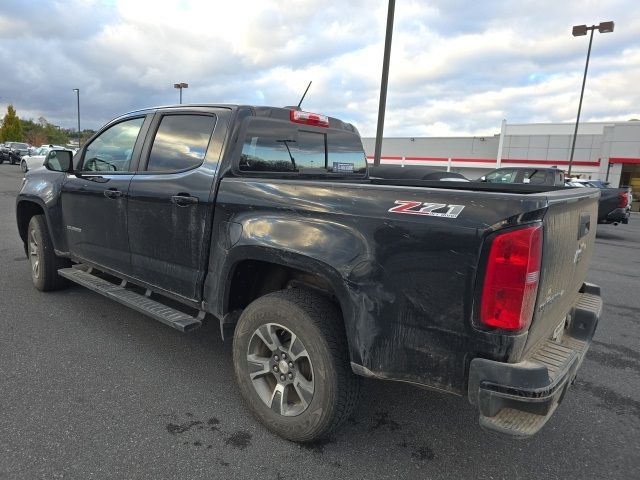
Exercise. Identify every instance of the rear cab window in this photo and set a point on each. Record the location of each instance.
(277, 146)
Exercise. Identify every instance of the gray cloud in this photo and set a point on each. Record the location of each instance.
(457, 67)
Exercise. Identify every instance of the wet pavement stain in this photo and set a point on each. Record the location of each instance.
(611, 399)
(213, 423)
(626, 351)
(353, 420)
(613, 359)
(239, 440)
(382, 420)
(318, 445)
(177, 429)
(423, 453)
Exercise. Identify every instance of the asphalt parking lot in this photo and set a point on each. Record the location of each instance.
(91, 389)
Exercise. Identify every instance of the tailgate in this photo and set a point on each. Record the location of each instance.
(569, 237)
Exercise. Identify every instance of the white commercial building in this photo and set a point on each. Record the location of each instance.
(605, 150)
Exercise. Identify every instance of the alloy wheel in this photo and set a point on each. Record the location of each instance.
(280, 369)
(34, 255)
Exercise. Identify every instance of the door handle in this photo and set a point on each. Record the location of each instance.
(184, 200)
(584, 226)
(112, 193)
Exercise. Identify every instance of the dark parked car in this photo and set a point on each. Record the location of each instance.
(266, 221)
(12, 152)
(529, 175)
(614, 205)
(413, 172)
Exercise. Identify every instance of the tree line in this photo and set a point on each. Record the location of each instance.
(38, 132)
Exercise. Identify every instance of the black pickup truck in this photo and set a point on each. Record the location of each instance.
(265, 220)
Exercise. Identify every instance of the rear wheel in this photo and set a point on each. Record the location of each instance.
(44, 262)
(292, 364)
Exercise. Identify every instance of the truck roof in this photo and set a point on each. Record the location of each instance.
(280, 113)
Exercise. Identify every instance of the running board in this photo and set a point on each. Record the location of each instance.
(142, 303)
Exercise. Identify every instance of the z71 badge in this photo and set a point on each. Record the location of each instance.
(426, 208)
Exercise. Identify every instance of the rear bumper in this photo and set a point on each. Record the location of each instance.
(618, 215)
(519, 398)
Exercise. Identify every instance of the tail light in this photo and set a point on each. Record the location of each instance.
(623, 199)
(308, 118)
(511, 279)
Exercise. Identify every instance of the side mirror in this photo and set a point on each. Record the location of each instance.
(59, 161)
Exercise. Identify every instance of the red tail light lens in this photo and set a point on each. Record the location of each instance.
(624, 199)
(511, 279)
(308, 118)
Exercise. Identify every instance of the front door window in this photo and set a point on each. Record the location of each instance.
(111, 151)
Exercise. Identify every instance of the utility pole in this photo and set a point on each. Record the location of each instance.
(384, 83)
(77, 90)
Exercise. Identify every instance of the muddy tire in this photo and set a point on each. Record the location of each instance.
(44, 262)
(291, 363)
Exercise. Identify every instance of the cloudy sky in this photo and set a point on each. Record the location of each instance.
(457, 67)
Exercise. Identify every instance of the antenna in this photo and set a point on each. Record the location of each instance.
(303, 95)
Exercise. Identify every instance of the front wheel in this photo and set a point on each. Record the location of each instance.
(23, 166)
(292, 366)
(44, 262)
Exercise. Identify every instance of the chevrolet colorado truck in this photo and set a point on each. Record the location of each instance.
(266, 221)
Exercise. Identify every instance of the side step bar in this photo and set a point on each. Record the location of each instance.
(142, 303)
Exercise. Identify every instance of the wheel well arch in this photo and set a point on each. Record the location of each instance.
(25, 210)
(251, 279)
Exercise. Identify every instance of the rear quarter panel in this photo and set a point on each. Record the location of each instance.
(405, 282)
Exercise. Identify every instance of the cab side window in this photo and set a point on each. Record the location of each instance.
(111, 151)
(181, 142)
(502, 176)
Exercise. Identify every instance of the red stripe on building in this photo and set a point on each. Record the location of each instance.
(553, 162)
(634, 161)
(493, 160)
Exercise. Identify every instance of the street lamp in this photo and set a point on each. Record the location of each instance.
(180, 86)
(578, 31)
(77, 90)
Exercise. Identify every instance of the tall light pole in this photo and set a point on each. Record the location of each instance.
(578, 31)
(384, 82)
(180, 86)
(77, 90)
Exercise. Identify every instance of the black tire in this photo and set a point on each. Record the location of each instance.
(317, 323)
(12, 160)
(23, 166)
(40, 249)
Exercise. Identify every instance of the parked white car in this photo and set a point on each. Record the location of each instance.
(36, 159)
